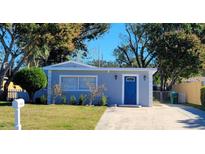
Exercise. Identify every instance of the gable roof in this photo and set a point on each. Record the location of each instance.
(76, 66)
(69, 64)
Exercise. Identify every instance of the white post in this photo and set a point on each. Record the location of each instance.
(17, 119)
(17, 104)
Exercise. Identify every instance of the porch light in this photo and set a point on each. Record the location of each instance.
(115, 77)
(144, 77)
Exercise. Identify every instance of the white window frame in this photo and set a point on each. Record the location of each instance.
(78, 76)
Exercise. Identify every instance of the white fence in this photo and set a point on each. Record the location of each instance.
(162, 96)
(13, 94)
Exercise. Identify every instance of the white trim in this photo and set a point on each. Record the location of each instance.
(78, 76)
(137, 87)
(150, 90)
(49, 88)
(152, 70)
(67, 62)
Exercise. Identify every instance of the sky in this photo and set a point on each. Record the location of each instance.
(106, 43)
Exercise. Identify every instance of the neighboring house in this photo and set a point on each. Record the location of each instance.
(125, 86)
(194, 79)
(12, 86)
(13, 89)
(190, 88)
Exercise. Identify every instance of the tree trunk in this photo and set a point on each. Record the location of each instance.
(3, 95)
(172, 83)
(1, 87)
(161, 80)
(1, 82)
(31, 97)
(91, 100)
(6, 89)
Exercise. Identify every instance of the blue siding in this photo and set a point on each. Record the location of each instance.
(114, 87)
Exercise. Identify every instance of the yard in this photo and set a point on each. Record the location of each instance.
(54, 117)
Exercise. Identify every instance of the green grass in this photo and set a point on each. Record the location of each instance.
(52, 117)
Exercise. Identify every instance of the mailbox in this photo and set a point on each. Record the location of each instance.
(18, 103)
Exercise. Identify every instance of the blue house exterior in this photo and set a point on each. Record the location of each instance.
(124, 86)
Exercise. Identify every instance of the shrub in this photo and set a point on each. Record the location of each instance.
(57, 91)
(95, 92)
(63, 98)
(37, 100)
(82, 99)
(72, 100)
(41, 100)
(103, 100)
(203, 96)
(31, 79)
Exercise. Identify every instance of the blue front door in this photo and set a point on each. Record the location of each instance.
(130, 90)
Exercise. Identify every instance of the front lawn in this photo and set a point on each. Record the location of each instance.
(54, 117)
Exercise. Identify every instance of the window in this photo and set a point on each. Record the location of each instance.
(77, 83)
(69, 83)
(84, 82)
(130, 79)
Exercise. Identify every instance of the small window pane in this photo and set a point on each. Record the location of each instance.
(69, 83)
(130, 79)
(84, 82)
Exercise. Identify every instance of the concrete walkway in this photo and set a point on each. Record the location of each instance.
(158, 117)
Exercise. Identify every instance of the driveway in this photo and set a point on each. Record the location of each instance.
(158, 117)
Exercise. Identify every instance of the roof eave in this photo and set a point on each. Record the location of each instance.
(68, 62)
(153, 70)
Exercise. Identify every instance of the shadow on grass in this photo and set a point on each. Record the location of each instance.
(35, 103)
(5, 103)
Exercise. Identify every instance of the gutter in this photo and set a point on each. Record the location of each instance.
(153, 70)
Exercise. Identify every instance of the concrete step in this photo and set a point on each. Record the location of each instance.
(125, 105)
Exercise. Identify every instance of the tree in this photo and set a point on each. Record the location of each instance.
(141, 48)
(33, 44)
(134, 49)
(192, 31)
(60, 37)
(180, 55)
(138, 45)
(103, 63)
(31, 79)
(87, 32)
(18, 43)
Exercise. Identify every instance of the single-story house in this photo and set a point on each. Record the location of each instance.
(124, 86)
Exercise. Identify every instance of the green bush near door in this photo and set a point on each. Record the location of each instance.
(103, 101)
